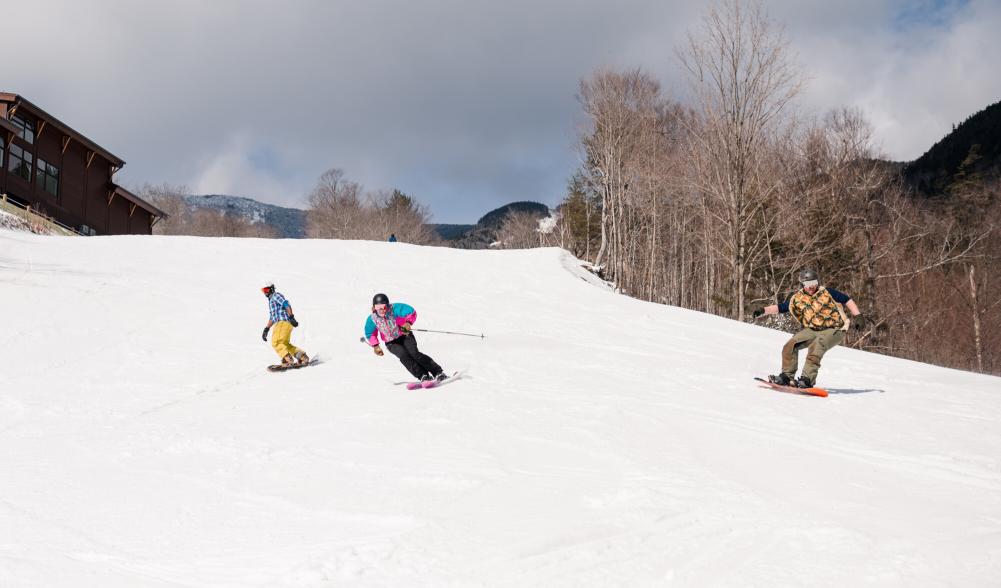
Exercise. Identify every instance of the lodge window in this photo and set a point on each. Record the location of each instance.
(25, 128)
(47, 177)
(19, 162)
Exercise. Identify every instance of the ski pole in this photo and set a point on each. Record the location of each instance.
(481, 336)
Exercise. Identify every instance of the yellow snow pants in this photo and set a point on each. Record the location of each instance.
(281, 339)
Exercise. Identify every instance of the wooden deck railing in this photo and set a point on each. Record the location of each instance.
(37, 221)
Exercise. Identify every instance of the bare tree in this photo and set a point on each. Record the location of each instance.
(616, 104)
(336, 209)
(170, 199)
(520, 230)
(743, 83)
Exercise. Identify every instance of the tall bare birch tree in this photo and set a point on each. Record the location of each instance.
(622, 109)
(743, 83)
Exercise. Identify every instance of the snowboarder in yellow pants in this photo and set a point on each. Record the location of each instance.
(281, 317)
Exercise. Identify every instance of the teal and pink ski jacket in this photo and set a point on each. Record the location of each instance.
(401, 313)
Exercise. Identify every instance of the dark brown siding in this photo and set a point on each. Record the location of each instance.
(97, 195)
(140, 222)
(71, 181)
(119, 216)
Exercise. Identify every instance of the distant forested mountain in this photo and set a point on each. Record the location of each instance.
(975, 142)
(288, 223)
(487, 229)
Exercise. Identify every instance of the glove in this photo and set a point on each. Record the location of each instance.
(264, 335)
(858, 322)
(405, 327)
(758, 312)
(294, 322)
(377, 350)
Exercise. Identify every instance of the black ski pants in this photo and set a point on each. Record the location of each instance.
(418, 364)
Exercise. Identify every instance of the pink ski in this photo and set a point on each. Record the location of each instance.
(433, 383)
(425, 384)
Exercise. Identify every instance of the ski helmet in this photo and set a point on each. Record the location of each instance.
(268, 287)
(808, 275)
(380, 299)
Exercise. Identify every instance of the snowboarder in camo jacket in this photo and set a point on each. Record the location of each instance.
(821, 312)
(392, 322)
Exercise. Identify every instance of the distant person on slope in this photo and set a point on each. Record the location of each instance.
(392, 322)
(392, 238)
(821, 312)
(281, 317)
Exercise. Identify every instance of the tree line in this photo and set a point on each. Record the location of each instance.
(338, 209)
(716, 203)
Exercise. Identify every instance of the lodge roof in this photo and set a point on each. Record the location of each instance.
(7, 126)
(120, 191)
(18, 102)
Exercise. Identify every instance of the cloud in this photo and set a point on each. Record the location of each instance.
(245, 167)
(913, 73)
(465, 104)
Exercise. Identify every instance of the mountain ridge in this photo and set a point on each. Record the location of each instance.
(290, 222)
(976, 142)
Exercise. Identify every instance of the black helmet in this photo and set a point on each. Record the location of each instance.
(380, 299)
(807, 274)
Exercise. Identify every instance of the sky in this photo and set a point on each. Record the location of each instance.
(464, 104)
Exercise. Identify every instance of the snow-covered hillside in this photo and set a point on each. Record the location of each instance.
(597, 440)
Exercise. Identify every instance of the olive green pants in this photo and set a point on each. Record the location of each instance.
(817, 343)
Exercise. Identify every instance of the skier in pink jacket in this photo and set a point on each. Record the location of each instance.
(392, 323)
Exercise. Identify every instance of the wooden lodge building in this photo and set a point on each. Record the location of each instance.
(48, 168)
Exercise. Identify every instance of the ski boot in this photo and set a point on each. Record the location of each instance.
(302, 358)
(287, 361)
(803, 382)
(441, 377)
(783, 379)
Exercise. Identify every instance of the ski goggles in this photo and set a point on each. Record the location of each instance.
(811, 283)
(379, 306)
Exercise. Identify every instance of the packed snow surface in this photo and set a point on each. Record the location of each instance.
(595, 440)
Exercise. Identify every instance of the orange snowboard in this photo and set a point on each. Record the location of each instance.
(794, 390)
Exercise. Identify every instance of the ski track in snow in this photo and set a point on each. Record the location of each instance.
(592, 439)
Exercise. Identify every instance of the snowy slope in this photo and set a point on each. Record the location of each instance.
(598, 440)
